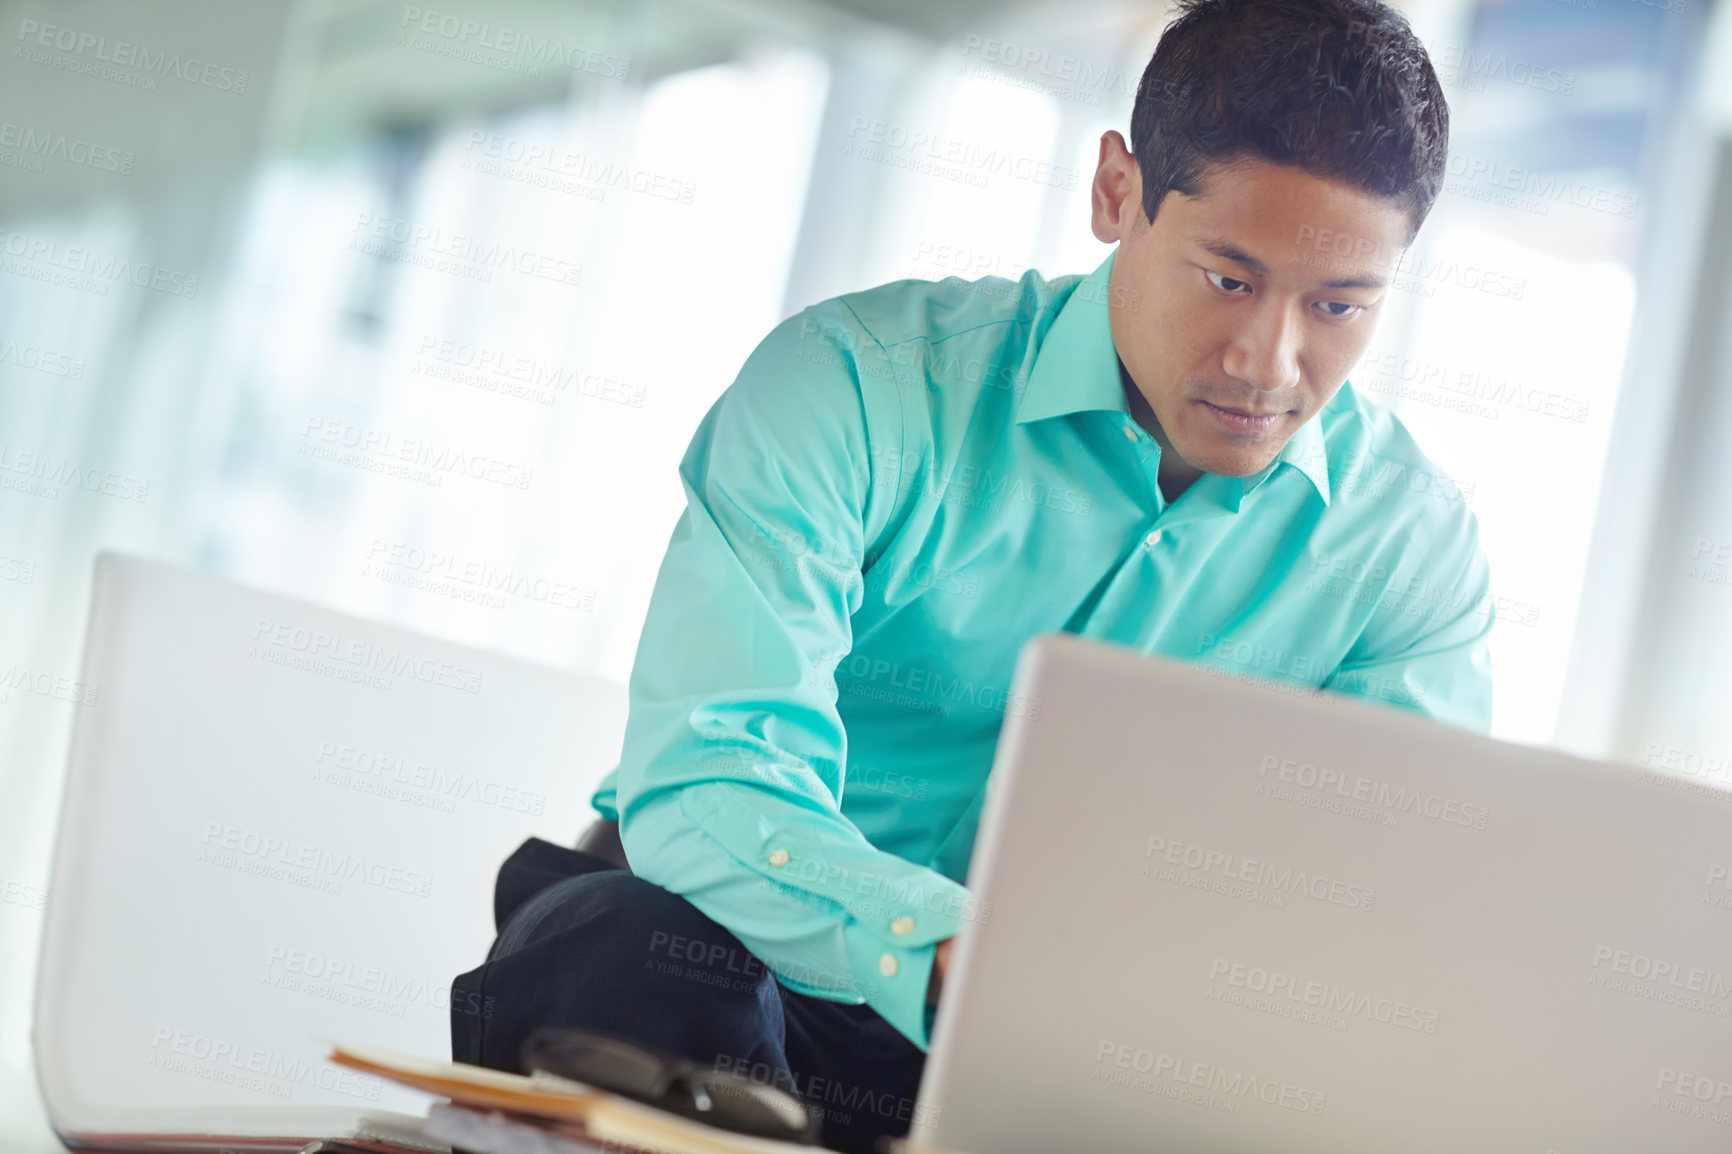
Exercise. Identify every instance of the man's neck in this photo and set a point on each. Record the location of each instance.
(1176, 474)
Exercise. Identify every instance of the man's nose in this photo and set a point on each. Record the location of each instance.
(1265, 353)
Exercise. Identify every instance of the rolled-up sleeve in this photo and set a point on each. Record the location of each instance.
(1427, 646)
(730, 782)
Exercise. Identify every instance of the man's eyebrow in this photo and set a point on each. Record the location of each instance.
(1365, 282)
(1227, 250)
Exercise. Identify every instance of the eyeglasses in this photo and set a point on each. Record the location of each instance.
(716, 1097)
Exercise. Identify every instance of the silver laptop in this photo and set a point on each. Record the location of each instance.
(1311, 924)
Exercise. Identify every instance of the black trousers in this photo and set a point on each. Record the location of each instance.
(584, 944)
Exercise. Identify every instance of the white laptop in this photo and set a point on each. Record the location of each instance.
(281, 825)
(1222, 918)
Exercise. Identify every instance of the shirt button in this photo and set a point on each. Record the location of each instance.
(1153, 539)
(778, 857)
(1130, 433)
(887, 965)
(902, 926)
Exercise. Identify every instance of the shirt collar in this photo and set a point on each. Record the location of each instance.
(1304, 451)
(1077, 369)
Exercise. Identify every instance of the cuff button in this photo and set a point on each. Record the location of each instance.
(778, 857)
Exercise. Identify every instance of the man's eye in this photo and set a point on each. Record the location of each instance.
(1346, 310)
(1225, 283)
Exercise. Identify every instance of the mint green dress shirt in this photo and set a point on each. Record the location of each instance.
(902, 487)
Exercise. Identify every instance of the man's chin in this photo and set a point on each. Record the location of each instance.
(1236, 462)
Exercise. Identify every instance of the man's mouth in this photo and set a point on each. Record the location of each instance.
(1243, 421)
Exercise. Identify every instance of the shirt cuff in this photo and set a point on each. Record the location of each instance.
(894, 979)
(893, 913)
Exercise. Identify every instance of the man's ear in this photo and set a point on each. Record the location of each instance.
(1116, 196)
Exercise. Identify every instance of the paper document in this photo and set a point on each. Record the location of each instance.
(557, 1106)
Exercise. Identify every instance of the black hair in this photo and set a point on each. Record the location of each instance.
(1340, 88)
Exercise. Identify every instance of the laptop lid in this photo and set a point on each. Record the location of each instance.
(1225, 918)
(281, 825)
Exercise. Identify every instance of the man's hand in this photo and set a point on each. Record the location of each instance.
(940, 964)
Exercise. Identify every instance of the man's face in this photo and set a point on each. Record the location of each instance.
(1252, 299)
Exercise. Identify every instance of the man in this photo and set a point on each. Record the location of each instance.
(905, 484)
